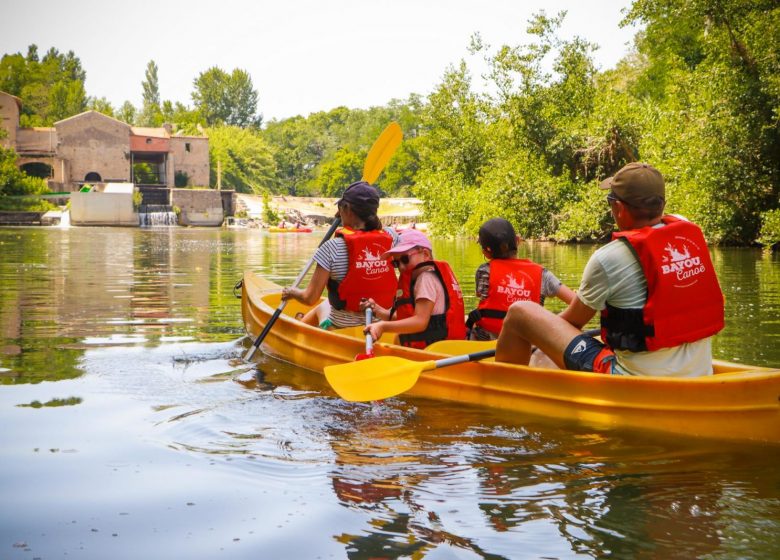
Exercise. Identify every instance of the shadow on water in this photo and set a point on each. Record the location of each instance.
(138, 430)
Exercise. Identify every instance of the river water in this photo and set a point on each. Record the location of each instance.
(131, 428)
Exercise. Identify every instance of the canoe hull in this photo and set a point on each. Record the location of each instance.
(741, 404)
(289, 230)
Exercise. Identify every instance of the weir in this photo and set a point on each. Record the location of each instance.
(157, 215)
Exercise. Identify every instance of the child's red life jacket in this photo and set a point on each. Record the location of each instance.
(511, 280)
(368, 275)
(684, 300)
(448, 325)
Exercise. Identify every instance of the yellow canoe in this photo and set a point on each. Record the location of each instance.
(739, 402)
(275, 229)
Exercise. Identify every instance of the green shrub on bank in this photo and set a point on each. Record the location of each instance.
(25, 204)
(13, 181)
(770, 228)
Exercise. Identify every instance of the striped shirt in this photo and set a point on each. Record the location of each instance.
(334, 257)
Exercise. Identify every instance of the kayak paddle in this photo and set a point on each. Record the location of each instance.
(369, 353)
(380, 153)
(387, 376)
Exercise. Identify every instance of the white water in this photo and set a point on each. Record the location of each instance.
(157, 215)
(65, 219)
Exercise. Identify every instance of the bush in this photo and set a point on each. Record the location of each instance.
(25, 204)
(13, 181)
(269, 214)
(770, 228)
(181, 179)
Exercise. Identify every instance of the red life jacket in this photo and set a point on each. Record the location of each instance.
(448, 325)
(368, 276)
(510, 280)
(684, 300)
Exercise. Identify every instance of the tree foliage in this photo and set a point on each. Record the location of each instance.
(242, 158)
(51, 88)
(226, 99)
(13, 181)
(698, 97)
(151, 110)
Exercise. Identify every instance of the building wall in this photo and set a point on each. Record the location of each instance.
(36, 140)
(102, 209)
(93, 142)
(194, 162)
(58, 167)
(9, 119)
(198, 207)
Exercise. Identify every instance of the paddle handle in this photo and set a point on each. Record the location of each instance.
(369, 340)
(259, 340)
(464, 358)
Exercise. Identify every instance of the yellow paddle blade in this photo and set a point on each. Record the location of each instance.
(380, 153)
(376, 378)
(457, 347)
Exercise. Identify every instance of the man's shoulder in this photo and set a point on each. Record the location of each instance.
(613, 251)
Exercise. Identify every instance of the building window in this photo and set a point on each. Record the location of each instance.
(187, 147)
(148, 140)
(92, 177)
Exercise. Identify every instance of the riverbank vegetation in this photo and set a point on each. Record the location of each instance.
(698, 97)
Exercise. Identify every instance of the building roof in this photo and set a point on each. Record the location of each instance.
(18, 101)
(80, 115)
(147, 131)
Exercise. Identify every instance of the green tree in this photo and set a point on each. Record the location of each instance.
(226, 99)
(243, 157)
(127, 113)
(101, 105)
(151, 112)
(711, 69)
(51, 88)
(345, 168)
(13, 181)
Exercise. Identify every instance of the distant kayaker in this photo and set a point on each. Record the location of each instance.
(654, 285)
(429, 304)
(351, 264)
(505, 279)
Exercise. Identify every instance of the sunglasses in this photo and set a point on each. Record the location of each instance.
(612, 197)
(403, 259)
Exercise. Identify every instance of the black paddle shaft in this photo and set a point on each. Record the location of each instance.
(444, 362)
(259, 340)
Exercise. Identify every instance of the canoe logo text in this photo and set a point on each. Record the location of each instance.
(678, 260)
(370, 261)
(512, 289)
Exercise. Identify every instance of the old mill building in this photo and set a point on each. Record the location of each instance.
(94, 148)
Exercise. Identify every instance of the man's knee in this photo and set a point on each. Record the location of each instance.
(520, 312)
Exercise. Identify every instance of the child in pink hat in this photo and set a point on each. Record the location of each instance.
(428, 305)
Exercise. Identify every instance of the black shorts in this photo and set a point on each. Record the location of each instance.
(585, 353)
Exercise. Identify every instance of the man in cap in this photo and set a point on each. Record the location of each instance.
(654, 285)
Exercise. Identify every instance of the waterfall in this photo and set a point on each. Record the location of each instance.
(65, 219)
(157, 215)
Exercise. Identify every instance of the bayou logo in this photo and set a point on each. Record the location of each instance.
(679, 261)
(512, 289)
(370, 263)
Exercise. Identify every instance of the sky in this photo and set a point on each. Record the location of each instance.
(303, 55)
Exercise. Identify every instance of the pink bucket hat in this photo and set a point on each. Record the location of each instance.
(409, 239)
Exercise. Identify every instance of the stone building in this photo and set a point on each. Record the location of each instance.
(94, 148)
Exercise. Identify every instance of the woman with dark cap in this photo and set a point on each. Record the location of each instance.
(505, 279)
(350, 264)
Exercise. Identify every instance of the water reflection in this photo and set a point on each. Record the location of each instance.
(139, 338)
